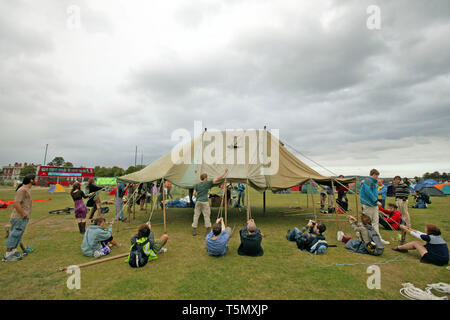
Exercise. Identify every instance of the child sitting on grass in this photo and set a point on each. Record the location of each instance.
(369, 241)
(96, 240)
(144, 247)
(435, 251)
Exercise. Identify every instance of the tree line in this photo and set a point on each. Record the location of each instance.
(99, 171)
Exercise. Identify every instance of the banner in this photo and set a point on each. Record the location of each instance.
(106, 181)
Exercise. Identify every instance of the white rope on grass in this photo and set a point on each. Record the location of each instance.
(413, 293)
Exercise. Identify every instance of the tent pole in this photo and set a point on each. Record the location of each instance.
(307, 197)
(264, 202)
(356, 199)
(226, 201)
(335, 203)
(164, 203)
(117, 204)
(312, 198)
(248, 201)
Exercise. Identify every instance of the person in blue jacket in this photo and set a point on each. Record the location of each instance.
(369, 200)
(382, 193)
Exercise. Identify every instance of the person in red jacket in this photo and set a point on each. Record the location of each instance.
(394, 217)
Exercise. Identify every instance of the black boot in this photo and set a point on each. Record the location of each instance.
(80, 226)
(83, 227)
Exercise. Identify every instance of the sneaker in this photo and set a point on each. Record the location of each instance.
(399, 250)
(12, 257)
(385, 242)
(340, 235)
(162, 250)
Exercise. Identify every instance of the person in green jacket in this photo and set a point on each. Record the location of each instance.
(96, 240)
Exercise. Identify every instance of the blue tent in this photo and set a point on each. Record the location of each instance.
(428, 182)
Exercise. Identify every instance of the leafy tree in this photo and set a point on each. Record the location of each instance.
(68, 164)
(27, 170)
(132, 169)
(57, 161)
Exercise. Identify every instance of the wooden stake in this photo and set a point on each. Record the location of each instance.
(164, 203)
(264, 202)
(97, 261)
(307, 198)
(312, 199)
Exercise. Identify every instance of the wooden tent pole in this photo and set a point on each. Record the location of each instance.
(248, 201)
(307, 197)
(356, 199)
(164, 203)
(97, 261)
(226, 201)
(264, 202)
(117, 204)
(335, 203)
(312, 199)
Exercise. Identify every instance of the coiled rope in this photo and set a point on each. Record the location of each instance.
(409, 291)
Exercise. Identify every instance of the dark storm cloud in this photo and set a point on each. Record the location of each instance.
(342, 94)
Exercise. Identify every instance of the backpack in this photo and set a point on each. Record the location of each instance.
(304, 244)
(137, 257)
(375, 246)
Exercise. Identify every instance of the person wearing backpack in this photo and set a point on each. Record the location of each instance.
(310, 237)
(144, 248)
(369, 241)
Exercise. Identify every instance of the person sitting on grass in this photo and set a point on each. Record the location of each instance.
(392, 222)
(217, 239)
(369, 241)
(435, 251)
(310, 237)
(97, 240)
(144, 247)
(251, 239)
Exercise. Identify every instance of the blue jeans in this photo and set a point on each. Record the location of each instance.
(241, 195)
(119, 208)
(17, 229)
(293, 235)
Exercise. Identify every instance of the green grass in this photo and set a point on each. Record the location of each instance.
(187, 272)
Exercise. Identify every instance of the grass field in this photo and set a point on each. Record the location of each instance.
(187, 272)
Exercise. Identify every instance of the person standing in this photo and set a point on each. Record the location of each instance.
(120, 193)
(95, 198)
(342, 199)
(20, 217)
(382, 192)
(80, 208)
(369, 200)
(201, 190)
(401, 199)
(241, 195)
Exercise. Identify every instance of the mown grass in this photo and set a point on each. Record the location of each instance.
(187, 272)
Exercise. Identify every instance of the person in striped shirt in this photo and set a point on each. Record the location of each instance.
(401, 199)
(435, 251)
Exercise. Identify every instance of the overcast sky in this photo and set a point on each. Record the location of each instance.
(132, 72)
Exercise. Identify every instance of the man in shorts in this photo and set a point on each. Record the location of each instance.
(201, 190)
(19, 218)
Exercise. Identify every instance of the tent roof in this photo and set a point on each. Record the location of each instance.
(431, 191)
(245, 160)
